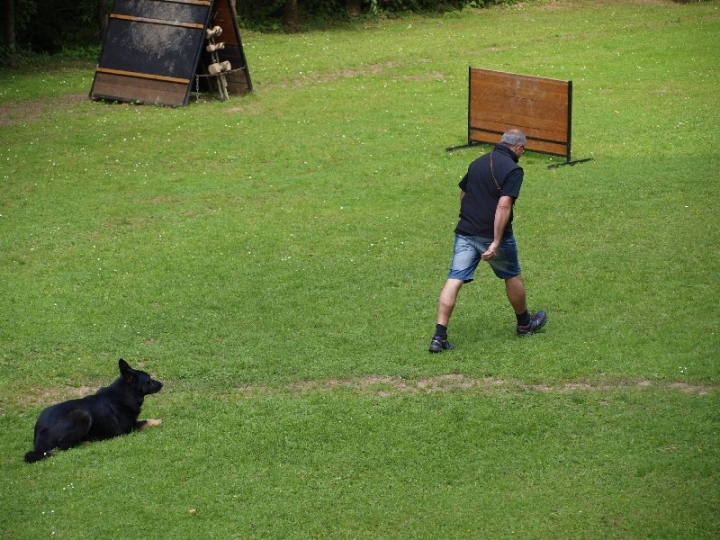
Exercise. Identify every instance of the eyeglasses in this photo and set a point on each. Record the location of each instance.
(522, 146)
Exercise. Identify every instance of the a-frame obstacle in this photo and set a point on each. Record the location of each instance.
(159, 51)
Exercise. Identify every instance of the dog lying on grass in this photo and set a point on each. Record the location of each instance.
(111, 411)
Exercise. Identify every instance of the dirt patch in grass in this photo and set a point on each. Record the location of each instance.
(15, 112)
(386, 386)
(42, 397)
(368, 70)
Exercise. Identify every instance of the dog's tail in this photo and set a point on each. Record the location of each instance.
(34, 455)
(43, 447)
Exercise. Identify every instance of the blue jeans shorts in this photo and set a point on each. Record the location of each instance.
(468, 250)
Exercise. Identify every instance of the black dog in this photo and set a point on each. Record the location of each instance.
(110, 412)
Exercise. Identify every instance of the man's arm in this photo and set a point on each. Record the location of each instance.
(502, 216)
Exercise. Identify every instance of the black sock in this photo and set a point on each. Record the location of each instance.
(523, 319)
(441, 331)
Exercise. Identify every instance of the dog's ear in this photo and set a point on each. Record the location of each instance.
(126, 371)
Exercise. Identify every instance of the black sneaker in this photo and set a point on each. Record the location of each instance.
(438, 344)
(537, 321)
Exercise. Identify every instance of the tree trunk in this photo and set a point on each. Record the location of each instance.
(102, 15)
(354, 7)
(290, 16)
(8, 33)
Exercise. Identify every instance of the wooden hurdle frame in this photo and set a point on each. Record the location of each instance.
(540, 107)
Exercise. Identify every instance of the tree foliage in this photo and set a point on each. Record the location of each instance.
(50, 26)
(274, 13)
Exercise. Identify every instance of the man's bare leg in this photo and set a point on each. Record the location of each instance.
(515, 288)
(448, 299)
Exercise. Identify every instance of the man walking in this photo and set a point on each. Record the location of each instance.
(487, 195)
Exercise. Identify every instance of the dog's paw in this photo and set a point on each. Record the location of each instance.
(150, 422)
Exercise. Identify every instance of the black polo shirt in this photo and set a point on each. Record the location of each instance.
(483, 191)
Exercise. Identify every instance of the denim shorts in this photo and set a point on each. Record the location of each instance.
(468, 250)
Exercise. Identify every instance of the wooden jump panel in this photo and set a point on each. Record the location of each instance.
(540, 107)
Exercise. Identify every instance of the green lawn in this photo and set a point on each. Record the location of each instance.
(276, 260)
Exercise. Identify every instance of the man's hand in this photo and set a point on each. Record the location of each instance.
(491, 251)
(502, 216)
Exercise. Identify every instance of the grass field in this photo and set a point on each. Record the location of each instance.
(276, 259)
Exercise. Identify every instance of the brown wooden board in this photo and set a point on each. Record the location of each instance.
(131, 87)
(540, 107)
